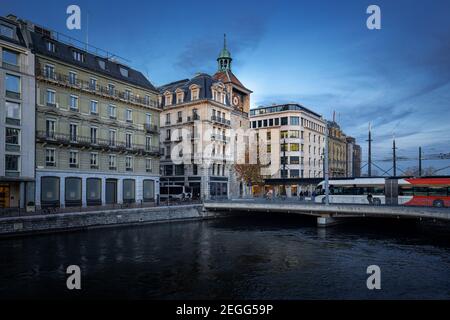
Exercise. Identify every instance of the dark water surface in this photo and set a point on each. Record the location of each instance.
(258, 257)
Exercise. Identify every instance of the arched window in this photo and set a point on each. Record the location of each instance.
(73, 192)
(149, 190)
(94, 191)
(50, 191)
(129, 191)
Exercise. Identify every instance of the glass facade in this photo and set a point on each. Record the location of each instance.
(73, 192)
(93, 191)
(49, 191)
(128, 190)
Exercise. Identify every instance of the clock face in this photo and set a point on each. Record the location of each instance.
(236, 100)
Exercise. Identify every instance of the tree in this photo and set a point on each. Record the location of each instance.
(250, 173)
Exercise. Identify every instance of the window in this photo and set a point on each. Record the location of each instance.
(112, 162)
(73, 102)
(168, 118)
(73, 130)
(6, 31)
(128, 140)
(294, 160)
(12, 113)
(10, 57)
(168, 134)
(11, 162)
(265, 122)
(50, 128)
(194, 94)
(148, 143)
(112, 138)
(128, 190)
(129, 115)
(93, 191)
(51, 187)
(92, 83)
(112, 111)
(73, 159)
(101, 64)
(111, 89)
(294, 173)
(179, 116)
(78, 56)
(195, 169)
(179, 170)
(49, 71)
(12, 136)
(50, 46)
(12, 86)
(284, 134)
(73, 192)
(149, 190)
(148, 118)
(148, 165)
(93, 135)
(277, 121)
(123, 71)
(284, 121)
(51, 98)
(294, 133)
(72, 78)
(94, 107)
(295, 121)
(50, 157)
(295, 147)
(129, 163)
(270, 122)
(94, 160)
(168, 170)
(147, 99)
(127, 94)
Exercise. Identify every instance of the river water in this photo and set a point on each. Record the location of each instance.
(246, 257)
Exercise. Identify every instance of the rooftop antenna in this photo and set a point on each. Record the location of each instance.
(369, 160)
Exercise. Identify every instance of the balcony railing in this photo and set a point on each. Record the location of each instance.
(151, 128)
(220, 120)
(64, 79)
(101, 144)
(193, 118)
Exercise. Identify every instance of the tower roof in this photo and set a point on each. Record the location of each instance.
(224, 53)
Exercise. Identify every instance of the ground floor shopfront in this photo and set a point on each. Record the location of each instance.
(16, 193)
(72, 189)
(290, 187)
(201, 187)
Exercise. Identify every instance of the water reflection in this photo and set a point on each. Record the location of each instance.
(261, 256)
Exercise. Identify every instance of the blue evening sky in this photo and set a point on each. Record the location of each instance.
(317, 53)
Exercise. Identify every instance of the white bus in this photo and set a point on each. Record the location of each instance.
(409, 191)
(175, 192)
(353, 191)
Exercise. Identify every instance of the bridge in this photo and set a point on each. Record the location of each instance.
(328, 214)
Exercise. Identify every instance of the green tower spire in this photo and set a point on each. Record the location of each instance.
(224, 59)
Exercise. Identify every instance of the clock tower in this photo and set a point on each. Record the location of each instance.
(238, 94)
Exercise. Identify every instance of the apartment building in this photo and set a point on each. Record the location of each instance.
(97, 126)
(197, 123)
(302, 140)
(353, 158)
(337, 151)
(17, 116)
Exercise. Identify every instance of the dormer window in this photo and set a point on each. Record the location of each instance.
(6, 31)
(50, 46)
(101, 64)
(168, 98)
(123, 71)
(180, 95)
(78, 56)
(195, 92)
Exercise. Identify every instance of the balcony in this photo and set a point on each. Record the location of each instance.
(63, 139)
(193, 118)
(220, 120)
(151, 128)
(63, 79)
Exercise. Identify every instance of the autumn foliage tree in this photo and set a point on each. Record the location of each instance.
(250, 173)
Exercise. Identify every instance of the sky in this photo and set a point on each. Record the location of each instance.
(317, 53)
